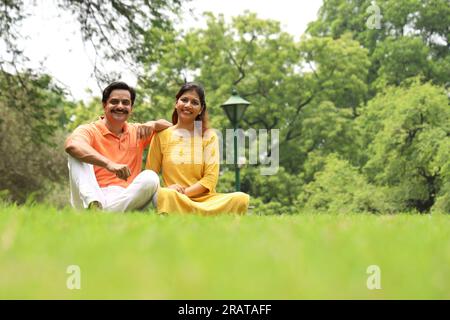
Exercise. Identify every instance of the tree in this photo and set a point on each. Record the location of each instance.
(339, 187)
(114, 28)
(406, 133)
(37, 99)
(441, 160)
(428, 19)
(413, 38)
(399, 59)
(31, 154)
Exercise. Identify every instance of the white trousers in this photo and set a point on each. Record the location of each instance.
(84, 189)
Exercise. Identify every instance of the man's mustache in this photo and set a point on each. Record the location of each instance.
(120, 110)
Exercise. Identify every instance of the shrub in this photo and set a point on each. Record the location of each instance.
(339, 187)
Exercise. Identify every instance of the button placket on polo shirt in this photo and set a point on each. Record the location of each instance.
(120, 142)
(122, 138)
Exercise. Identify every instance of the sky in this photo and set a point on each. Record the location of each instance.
(53, 42)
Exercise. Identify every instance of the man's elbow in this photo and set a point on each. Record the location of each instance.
(164, 123)
(69, 146)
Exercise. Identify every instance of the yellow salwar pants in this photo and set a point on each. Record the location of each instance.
(171, 201)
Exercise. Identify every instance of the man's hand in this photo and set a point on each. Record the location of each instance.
(120, 170)
(145, 130)
(177, 188)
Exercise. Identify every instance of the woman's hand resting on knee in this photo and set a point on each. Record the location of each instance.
(177, 188)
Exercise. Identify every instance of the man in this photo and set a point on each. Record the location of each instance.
(105, 157)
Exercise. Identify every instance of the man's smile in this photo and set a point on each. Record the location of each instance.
(119, 111)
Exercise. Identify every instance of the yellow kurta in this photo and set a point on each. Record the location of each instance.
(186, 159)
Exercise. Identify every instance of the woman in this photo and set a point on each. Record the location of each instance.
(188, 155)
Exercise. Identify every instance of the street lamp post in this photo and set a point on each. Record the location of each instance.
(234, 108)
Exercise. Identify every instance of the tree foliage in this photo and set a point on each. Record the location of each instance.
(340, 188)
(31, 154)
(413, 37)
(114, 28)
(407, 132)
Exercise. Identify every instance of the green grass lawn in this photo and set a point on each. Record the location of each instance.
(147, 256)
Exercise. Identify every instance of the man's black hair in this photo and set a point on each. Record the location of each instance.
(118, 85)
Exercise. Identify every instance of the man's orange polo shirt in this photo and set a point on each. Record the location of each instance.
(126, 149)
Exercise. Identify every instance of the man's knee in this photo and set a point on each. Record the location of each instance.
(149, 180)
